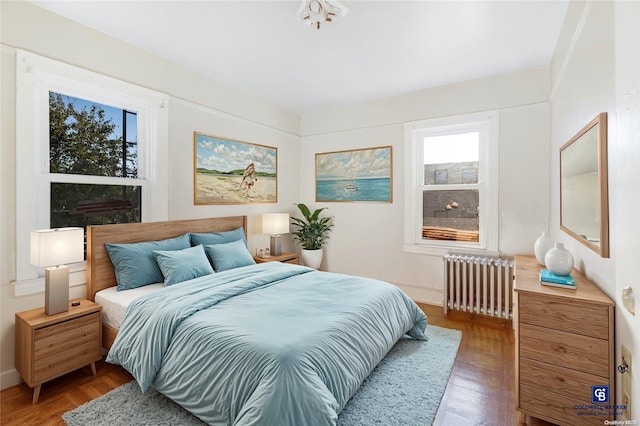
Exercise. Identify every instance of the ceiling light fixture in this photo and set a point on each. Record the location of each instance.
(316, 12)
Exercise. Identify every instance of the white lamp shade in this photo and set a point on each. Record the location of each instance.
(52, 247)
(275, 223)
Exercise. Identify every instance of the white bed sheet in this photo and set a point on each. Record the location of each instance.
(115, 303)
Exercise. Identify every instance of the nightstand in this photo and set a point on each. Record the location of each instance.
(49, 346)
(284, 258)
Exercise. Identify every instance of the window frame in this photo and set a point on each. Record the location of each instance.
(487, 124)
(36, 76)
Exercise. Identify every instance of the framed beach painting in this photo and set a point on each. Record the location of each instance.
(228, 171)
(355, 175)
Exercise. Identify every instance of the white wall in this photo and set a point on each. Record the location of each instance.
(368, 237)
(625, 172)
(196, 103)
(596, 68)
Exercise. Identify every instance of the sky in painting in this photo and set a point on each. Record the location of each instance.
(358, 164)
(225, 155)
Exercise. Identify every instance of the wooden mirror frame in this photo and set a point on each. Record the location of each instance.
(601, 204)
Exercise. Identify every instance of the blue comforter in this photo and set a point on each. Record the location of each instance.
(267, 344)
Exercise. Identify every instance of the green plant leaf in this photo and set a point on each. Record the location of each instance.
(312, 231)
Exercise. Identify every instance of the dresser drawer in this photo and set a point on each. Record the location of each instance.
(54, 365)
(561, 409)
(564, 381)
(66, 338)
(586, 319)
(563, 349)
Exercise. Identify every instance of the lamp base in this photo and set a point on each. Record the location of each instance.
(56, 290)
(274, 247)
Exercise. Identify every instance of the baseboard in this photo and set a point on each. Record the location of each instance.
(429, 296)
(9, 378)
(484, 320)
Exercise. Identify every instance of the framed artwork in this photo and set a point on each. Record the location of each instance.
(355, 175)
(228, 171)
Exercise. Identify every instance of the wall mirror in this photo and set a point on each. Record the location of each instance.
(584, 198)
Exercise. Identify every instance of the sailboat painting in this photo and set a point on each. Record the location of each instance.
(355, 175)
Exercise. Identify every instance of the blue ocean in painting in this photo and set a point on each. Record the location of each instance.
(375, 189)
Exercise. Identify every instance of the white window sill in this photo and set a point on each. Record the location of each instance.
(77, 277)
(443, 249)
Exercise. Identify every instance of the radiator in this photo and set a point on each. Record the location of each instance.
(480, 285)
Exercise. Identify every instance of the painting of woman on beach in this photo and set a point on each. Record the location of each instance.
(228, 171)
(248, 179)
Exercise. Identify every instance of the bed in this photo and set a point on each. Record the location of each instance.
(259, 344)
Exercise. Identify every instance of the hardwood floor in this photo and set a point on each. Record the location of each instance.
(480, 389)
(59, 396)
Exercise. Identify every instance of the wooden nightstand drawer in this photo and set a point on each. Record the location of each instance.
(570, 383)
(67, 326)
(69, 334)
(585, 319)
(573, 351)
(54, 365)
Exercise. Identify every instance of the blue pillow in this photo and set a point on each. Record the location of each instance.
(183, 265)
(218, 237)
(229, 255)
(135, 265)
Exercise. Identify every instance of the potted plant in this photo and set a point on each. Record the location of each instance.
(311, 233)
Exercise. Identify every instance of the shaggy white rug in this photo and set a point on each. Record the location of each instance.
(405, 389)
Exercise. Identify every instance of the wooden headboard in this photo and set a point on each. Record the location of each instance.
(100, 273)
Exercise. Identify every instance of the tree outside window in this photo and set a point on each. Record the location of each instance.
(91, 139)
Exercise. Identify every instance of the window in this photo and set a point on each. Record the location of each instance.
(451, 175)
(88, 139)
(90, 149)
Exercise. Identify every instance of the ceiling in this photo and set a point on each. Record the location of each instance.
(379, 49)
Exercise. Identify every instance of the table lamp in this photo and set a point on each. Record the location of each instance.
(53, 249)
(275, 224)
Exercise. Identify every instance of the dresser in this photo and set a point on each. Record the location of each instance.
(564, 347)
(48, 346)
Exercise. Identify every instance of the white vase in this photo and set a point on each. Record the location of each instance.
(542, 245)
(312, 258)
(559, 260)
